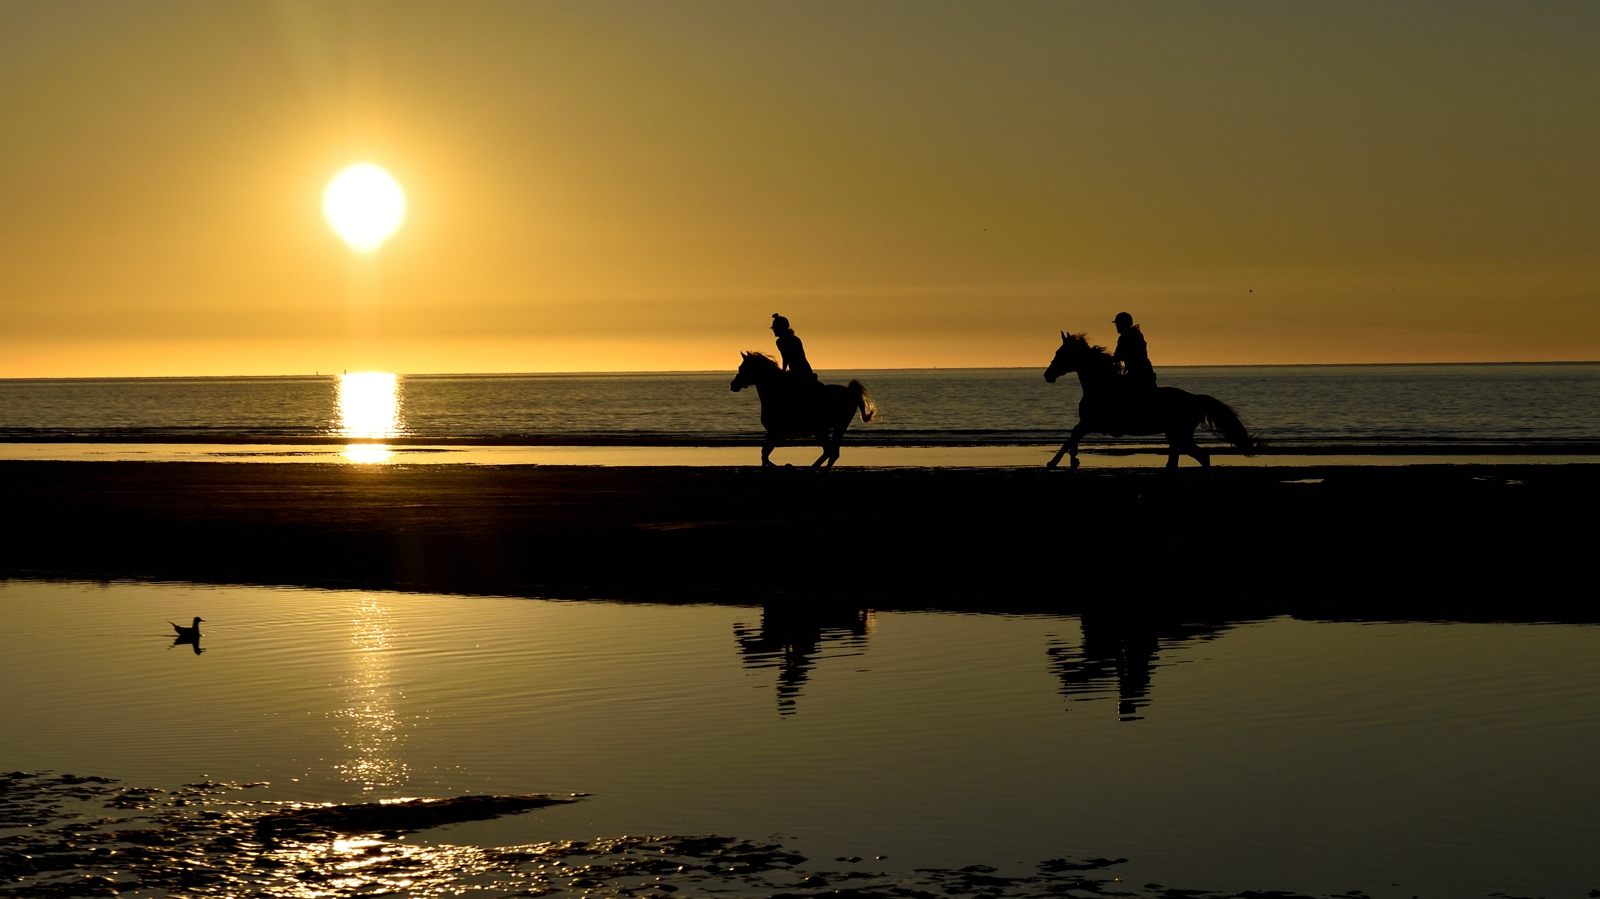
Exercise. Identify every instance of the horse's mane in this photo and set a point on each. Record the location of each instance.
(760, 358)
(1098, 353)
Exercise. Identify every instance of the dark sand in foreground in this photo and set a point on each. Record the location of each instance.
(1504, 542)
(1461, 542)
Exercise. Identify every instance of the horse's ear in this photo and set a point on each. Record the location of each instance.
(1063, 337)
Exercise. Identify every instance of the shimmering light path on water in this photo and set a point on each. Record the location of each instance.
(1396, 758)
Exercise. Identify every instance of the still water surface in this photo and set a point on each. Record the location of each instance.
(1543, 405)
(1400, 759)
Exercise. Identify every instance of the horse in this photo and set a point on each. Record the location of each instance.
(1110, 407)
(793, 409)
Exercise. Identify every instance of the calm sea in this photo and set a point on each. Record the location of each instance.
(882, 754)
(1539, 406)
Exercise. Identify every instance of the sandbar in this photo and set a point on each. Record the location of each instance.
(1501, 541)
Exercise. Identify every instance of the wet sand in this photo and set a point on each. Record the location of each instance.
(81, 835)
(1504, 542)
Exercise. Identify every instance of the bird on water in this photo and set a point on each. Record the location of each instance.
(192, 632)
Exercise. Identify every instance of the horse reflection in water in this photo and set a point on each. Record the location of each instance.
(1110, 407)
(795, 407)
(791, 640)
(1122, 651)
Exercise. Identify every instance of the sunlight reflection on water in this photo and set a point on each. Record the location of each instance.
(373, 729)
(369, 409)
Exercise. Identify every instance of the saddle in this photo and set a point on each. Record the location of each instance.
(802, 390)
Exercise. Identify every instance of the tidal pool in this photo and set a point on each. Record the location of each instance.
(1403, 759)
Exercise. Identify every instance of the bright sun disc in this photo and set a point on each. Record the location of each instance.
(365, 205)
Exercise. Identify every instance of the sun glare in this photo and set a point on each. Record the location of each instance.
(369, 409)
(364, 205)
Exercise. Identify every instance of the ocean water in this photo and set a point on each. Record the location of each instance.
(1537, 406)
(1399, 759)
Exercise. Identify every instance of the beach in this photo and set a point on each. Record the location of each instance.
(1500, 541)
(1323, 653)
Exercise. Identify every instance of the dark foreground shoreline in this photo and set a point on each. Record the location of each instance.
(77, 835)
(1463, 542)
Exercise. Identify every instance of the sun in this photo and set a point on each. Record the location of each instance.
(364, 205)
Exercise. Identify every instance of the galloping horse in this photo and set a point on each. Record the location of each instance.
(792, 409)
(1109, 407)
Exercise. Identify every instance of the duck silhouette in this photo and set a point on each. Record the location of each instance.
(188, 636)
(192, 632)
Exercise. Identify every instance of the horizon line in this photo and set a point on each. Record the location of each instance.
(711, 371)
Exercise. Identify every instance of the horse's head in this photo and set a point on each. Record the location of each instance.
(1073, 346)
(753, 369)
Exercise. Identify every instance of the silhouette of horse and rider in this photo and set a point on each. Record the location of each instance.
(794, 403)
(1120, 397)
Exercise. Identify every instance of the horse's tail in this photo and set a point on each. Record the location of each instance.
(1222, 421)
(869, 409)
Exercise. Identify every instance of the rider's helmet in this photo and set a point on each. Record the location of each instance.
(779, 323)
(1123, 319)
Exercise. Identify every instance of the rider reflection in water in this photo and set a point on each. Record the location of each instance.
(1133, 355)
(792, 351)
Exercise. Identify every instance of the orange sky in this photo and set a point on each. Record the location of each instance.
(602, 186)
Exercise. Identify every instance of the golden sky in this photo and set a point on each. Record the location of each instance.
(639, 186)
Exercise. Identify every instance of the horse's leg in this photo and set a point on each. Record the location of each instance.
(1183, 444)
(822, 441)
(1200, 455)
(766, 450)
(1056, 459)
(1071, 446)
(830, 436)
(838, 432)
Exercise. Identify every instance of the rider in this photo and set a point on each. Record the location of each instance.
(1133, 355)
(790, 348)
